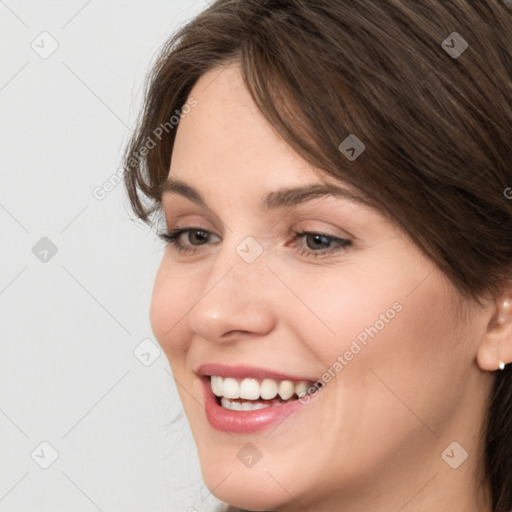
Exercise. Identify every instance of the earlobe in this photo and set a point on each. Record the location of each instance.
(495, 350)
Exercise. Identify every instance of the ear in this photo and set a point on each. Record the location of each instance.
(496, 344)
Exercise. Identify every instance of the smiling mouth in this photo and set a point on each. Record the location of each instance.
(250, 394)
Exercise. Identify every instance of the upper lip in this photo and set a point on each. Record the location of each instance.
(243, 372)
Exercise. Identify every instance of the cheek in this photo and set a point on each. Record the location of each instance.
(344, 311)
(397, 311)
(397, 336)
(412, 364)
(168, 310)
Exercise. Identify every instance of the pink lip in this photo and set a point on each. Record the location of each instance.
(246, 422)
(243, 372)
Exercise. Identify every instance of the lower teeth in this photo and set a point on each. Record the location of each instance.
(251, 405)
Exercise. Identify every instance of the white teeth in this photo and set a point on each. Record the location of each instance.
(247, 406)
(216, 384)
(286, 389)
(233, 405)
(253, 389)
(250, 389)
(230, 388)
(268, 389)
(301, 389)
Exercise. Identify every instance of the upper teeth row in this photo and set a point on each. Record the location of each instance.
(253, 389)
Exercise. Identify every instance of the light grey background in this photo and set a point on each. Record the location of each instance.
(70, 322)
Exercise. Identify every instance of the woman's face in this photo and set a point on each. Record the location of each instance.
(270, 311)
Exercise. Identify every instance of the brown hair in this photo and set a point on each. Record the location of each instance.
(437, 127)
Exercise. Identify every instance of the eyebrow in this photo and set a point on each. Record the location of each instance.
(286, 197)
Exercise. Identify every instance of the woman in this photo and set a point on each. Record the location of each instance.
(335, 296)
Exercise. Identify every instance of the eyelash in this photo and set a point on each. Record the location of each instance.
(172, 238)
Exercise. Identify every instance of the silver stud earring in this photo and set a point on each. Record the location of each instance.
(501, 365)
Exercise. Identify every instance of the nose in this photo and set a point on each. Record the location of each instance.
(234, 302)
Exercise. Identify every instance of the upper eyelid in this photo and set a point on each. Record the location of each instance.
(313, 231)
(289, 218)
(298, 212)
(177, 223)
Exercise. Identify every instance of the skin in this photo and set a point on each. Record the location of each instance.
(372, 438)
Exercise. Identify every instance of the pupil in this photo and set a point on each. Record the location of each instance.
(316, 237)
(201, 237)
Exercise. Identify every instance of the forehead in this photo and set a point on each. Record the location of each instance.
(226, 142)
(227, 134)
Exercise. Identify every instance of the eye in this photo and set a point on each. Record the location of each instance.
(172, 238)
(315, 242)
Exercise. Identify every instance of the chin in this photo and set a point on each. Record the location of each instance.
(250, 493)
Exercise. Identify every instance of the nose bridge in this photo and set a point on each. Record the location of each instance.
(233, 297)
(240, 264)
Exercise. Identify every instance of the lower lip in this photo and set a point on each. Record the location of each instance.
(245, 422)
